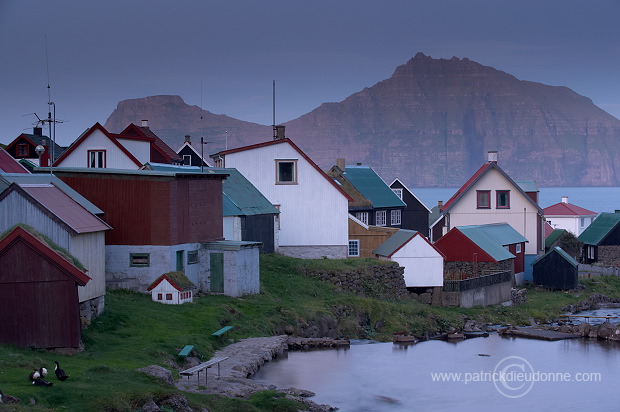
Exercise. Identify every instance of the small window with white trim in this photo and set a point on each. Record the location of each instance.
(380, 218)
(395, 215)
(354, 248)
(286, 172)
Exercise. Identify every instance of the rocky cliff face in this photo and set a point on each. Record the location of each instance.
(430, 124)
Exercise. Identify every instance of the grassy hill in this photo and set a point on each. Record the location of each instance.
(135, 332)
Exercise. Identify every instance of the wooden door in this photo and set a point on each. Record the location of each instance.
(217, 272)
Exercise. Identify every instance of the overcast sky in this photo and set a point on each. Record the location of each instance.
(226, 53)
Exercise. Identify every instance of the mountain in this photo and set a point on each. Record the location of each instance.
(431, 124)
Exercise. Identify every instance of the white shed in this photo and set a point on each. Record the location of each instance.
(172, 288)
(423, 263)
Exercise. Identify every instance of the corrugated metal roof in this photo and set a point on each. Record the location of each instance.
(9, 165)
(493, 237)
(567, 209)
(65, 208)
(553, 236)
(527, 185)
(42, 178)
(394, 242)
(372, 187)
(562, 253)
(600, 228)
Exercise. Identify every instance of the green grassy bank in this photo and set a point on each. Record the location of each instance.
(135, 332)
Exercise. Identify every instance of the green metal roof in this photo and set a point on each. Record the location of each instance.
(42, 178)
(394, 242)
(553, 237)
(562, 253)
(369, 184)
(528, 185)
(600, 228)
(492, 238)
(240, 197)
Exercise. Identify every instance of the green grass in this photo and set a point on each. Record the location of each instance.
(135, 332)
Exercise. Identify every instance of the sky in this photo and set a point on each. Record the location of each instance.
(223, 56)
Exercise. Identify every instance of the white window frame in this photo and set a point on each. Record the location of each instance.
(518, 248)
(395, 217)
(354, 245)
(380, 218)
(279, 180)
(398, 192)
(187, 160)
(96, 159)
(362, 217)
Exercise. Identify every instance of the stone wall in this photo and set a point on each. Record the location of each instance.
(314, 252)
(453, 270)
(609, 255)
(384, 281)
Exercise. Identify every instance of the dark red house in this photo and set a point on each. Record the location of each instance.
(39, 295)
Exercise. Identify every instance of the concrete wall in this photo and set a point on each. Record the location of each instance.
(484, 296)
(241, 271)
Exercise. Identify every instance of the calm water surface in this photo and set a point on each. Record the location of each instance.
(391, 377)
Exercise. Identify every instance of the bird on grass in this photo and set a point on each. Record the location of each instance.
(43, 372)
(34, 375)
(41, 382)
(60, 374)
(8, 398)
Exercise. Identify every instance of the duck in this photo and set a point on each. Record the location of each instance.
(34, 375)
(8, 398)
(60, 374)
(41, 382)
(43, 372)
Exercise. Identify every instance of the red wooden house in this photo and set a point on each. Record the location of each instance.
(39, 293)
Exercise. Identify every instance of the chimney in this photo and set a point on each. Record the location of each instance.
(440, 204)
(359, 163)
(44, 159)
(145, 123)
(492, 156)
(340, 163)
(187, 139)
(279, 132)
(37, 131)
(564, 199)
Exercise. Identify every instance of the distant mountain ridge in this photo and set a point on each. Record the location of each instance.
(431, 124)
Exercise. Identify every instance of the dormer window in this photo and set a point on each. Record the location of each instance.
(22, 150)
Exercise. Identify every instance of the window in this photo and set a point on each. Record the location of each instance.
(484, 199)
(590, 252)
(362, 217)
(139, 259)
(192, 257)
(22, 150)
(503, 199)
(395, 217)
(399, 193)
(219, 162)
(160, 296)
(187, 160)
(518, 249)
(380, 217)
(286, 172)
(354, 248)
(168, 296)
(96, 159)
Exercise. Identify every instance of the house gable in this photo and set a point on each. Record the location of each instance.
(456, 247)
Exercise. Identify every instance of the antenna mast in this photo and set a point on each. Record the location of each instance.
(50, 104)
(274, 110)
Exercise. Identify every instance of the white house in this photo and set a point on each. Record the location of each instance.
(313, 220)
(172, 288)
(570, 217)
(491, 196)
(423, 263)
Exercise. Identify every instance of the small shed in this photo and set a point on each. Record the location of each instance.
(172, 288)
(39, 292)
(556, 269)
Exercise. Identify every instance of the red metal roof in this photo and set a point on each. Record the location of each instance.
(20, 234)
(65, 208)
(548, 229)
(567, 209)
(289, 141)
(10, 165)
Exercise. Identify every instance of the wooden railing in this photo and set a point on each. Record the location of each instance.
(477, 282)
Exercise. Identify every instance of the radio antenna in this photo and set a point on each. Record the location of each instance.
(50, 104)
(274, 110)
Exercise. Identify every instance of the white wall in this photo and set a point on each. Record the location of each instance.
(97, 140)
(570, 223)
(232, 227)
(423, 264)
(522, 215)
(140, 149)
(312, 212)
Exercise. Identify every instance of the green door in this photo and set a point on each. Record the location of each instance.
(217, 272)
(180, 260)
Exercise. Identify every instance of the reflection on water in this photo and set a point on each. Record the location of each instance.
(391, 377)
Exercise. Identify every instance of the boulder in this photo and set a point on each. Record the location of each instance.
(158, 372)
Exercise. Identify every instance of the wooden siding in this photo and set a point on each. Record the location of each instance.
(370, 238)
(415, 214)
(553, 271)
(422, 262)
(521, 215)
(140, 149)
(97, 140)
(457, 247)
(155, 210)
(312, 212)
(39, 302)
(259, 228)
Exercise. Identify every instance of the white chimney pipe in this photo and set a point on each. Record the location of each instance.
(564, 199)
(492, 156)
(145, 123)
